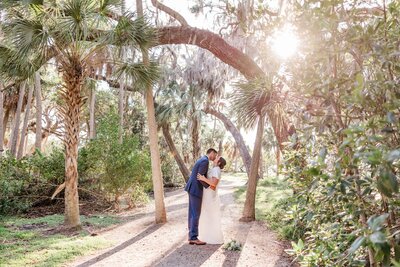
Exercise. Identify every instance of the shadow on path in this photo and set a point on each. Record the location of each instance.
(149, 230)
(188, 255)
(232, 257)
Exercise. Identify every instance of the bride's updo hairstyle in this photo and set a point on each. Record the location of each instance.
(221, 162)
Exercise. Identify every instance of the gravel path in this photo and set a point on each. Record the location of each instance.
(140, 242)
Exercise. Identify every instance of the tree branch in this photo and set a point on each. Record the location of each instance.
(170, 12)
(213, 43)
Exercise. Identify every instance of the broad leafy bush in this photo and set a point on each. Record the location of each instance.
(121, 167)
(344, 161)
(14, 183)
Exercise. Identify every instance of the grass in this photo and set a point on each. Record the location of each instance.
(24, 242)
(271, 199)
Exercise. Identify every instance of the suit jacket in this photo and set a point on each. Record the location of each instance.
(193, 186)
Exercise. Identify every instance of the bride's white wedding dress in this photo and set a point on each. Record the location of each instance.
(210, 216)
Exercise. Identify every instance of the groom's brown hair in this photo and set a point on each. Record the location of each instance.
(211, 150)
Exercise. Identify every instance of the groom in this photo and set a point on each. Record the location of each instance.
(195, 191)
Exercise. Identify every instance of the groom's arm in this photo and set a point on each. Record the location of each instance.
(203, 168)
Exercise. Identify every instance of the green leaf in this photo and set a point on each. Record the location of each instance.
(322, 154)
(377, 238)
(391, 118)
(300, 244)
(387, 183)
(356, 244)
(375, 223)
(393, 155)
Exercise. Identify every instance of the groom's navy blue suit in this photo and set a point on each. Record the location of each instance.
(195, 190)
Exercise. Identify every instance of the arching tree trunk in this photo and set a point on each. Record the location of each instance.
(2, 126)
(244, 153)
(249, 210)
(38, 94)
(73, 80)
(181, 164)
(235, 158)
(158, 187)
(229, 55)
(25, 124)
(15, 130)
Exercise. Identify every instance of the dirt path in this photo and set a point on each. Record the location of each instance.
(140, 242)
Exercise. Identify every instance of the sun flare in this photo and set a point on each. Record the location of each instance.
(284, 42)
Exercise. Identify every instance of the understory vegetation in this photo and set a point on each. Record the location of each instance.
(108, 171)
(40, 242)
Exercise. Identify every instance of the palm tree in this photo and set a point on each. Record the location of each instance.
(252, 102)
(38, 96)
(15, 130)
(158, 185)
(25, 124)
(1, 120)
(71, 31)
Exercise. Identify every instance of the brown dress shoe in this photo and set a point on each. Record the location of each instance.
(196, 242)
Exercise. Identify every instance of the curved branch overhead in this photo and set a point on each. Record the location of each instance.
(170, 12)
(213, 43)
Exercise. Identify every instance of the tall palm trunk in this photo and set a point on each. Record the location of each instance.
(181, 164)
(7, 114)
(195, 139)
(261, 163)
(91, 113)
(121, 111)
(249, 210)
(158, 187)
(38, 95)
(2, 126)
(25, 124)
(73, 79)
(15, 130)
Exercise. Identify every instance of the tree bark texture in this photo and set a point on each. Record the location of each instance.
(92, 110)
(2, 126)
(195, 138)
(244, 153)
(39, 111)
(15, 130)
(73, 80)
(213, 43)
(21, 148)
(249, 212)
(121, 93)
(181, 164)
(158, 186)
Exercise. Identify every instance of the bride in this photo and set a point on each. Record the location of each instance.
(210, 217)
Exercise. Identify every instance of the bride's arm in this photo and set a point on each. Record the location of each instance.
(213, 181)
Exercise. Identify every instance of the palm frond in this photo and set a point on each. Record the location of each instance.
(27, 34)
(141, 75)
(250, 100)
(15, 67)
(132, 32)
(164, 114)
(77, 20)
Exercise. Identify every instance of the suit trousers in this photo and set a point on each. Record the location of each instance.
(194, 216)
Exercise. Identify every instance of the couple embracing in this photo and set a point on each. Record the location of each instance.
(204, 220)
